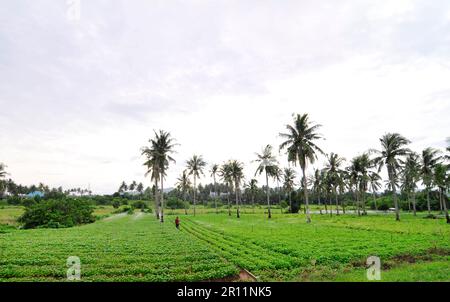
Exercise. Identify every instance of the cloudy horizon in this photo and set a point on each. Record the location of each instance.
(80, 96)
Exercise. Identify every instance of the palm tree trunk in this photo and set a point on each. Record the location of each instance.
(290, 202)
(363, 199)
(331, 205)
(184, 198)
(215, 197)
(428, 201)
(253, 203)
(162, 199)
(268, 198)
(397, 211)
(195, 183)
(444, 204)
(156, 199)
(228, 200)
(336, 200)
(440, 202)
(305, 192)
(414, 203)
(343, 206)
(357, 202)
(237, 199)
(320, 208)
(375, 201)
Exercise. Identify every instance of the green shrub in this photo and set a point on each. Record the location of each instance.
(175, 203)
(28, 202)
(116, 203)
(57, 213)
(14, 200)
(139, 204)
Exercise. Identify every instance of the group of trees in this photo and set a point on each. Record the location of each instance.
(405, 170)
(134, 188)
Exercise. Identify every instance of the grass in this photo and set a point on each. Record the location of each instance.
(213, 246)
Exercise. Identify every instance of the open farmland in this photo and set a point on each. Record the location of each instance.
(212, 247)
(118, 248)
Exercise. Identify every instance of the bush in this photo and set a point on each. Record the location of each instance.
(139, 204)
(57, 213)
(116, 203)
(14, 200)
(28, 202)
(175, 203)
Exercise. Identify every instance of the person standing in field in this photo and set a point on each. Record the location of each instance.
(177, 222)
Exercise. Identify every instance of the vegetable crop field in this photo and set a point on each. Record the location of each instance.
(137, 247)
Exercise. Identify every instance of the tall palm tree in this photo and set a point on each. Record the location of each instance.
(2, 176)
(363, 164)
(277, 175)
(195, 167)
(441, 178)
(237, 174)
(375, 185)
(153, 170)
(334, 174)
(253, 189)
(301, 148)
(410, 177)
(391, 154)
(430, 158)
(225, 175)
(317, 186)
(214, 170)
(289, 183)
(183, 185)
(162, 146)
(267, 163)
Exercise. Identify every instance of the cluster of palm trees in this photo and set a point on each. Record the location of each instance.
(158, 156)
(404, 168)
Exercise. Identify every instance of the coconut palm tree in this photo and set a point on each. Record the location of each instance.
(391, 154)
(410, 177)
(253, 189)
(334, 173)
(184, 185)
(153, 170)
(277, 175)
(301, 148)
(267, 163)
(289, 183)
(363, 164)
(317, 186)
(236, 172)
(441, 179)
(162, 146)
(214, 170)
(375, 185)
(225, 175)
(2, 176)
(430, 158)
(195, 167)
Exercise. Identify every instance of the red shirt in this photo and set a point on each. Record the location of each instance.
(177, 221)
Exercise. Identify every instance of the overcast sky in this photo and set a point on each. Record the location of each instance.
(80, 97)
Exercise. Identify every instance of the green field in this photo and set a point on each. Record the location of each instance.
(214, 246)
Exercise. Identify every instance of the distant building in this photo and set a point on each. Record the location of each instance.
(34, 194)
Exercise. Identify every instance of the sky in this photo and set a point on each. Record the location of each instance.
(83, 84)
